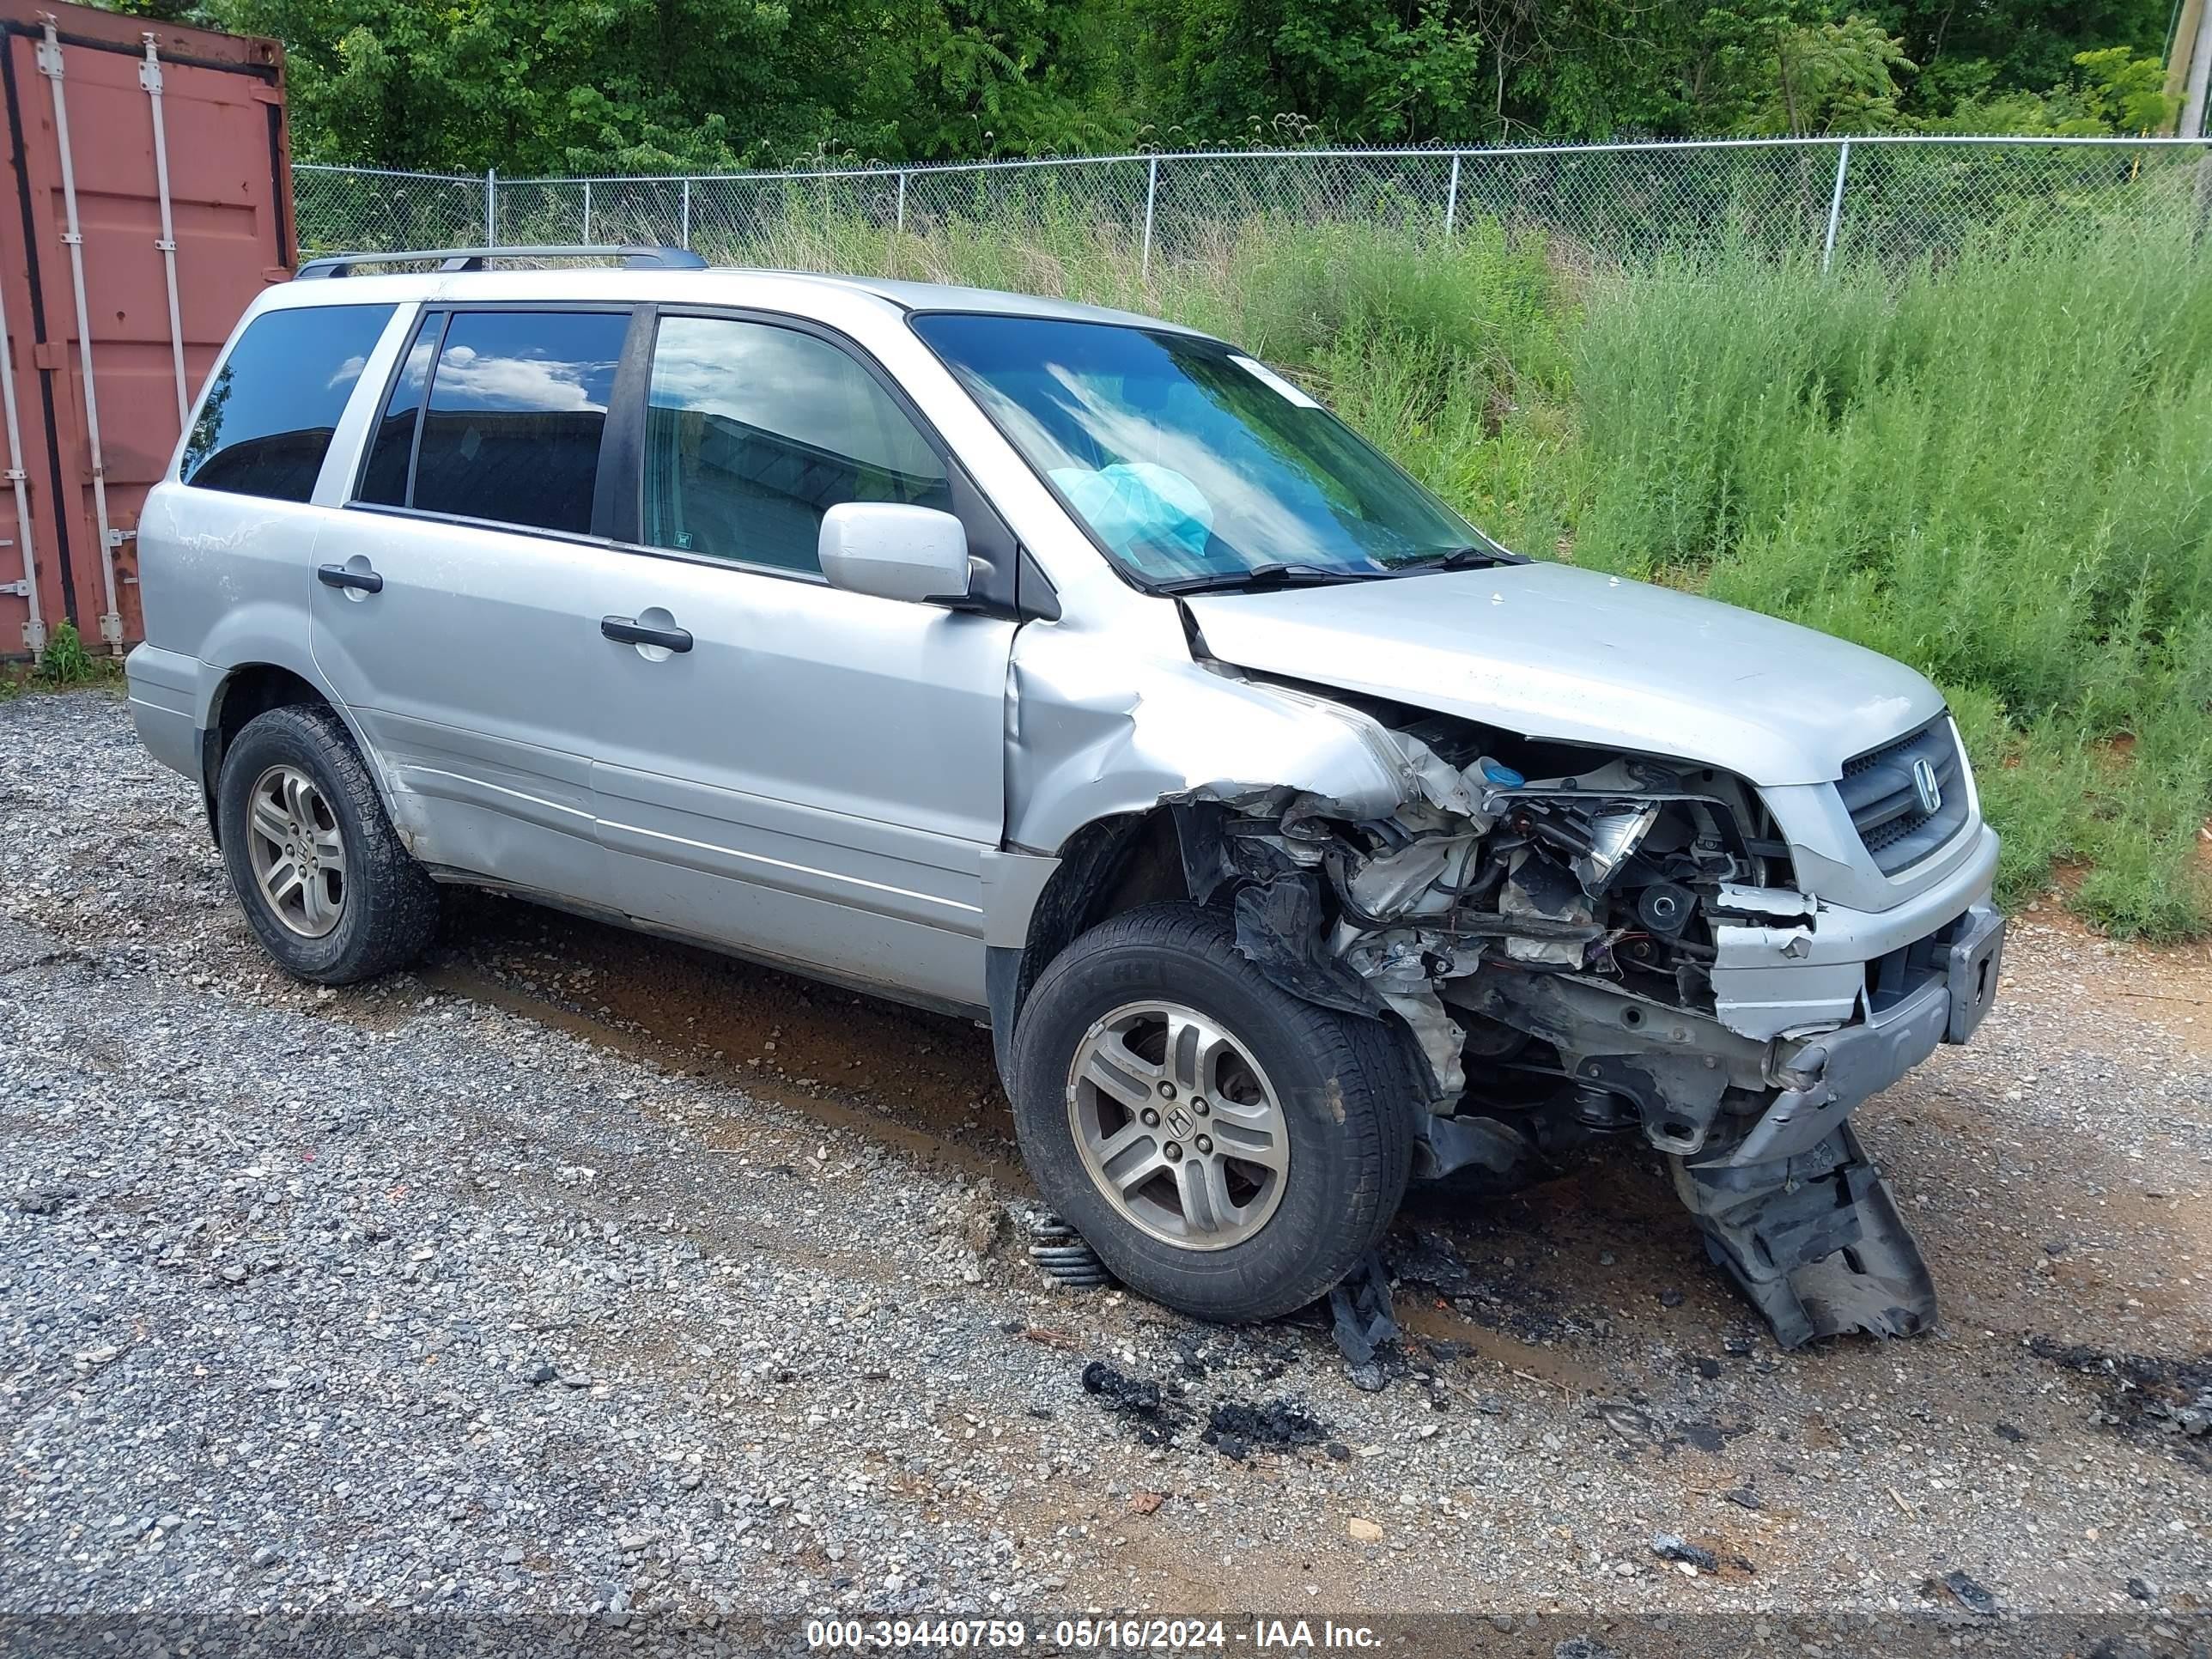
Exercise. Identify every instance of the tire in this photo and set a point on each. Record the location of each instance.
(1342, 1088)
(375, 906)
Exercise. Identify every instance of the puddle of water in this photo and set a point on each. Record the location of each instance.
(1424, 1316)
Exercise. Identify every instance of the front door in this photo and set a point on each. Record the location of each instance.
(456, 601)
(807, 774)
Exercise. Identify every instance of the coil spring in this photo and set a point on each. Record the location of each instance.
(1059, 1249)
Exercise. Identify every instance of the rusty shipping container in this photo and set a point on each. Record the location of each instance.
(149, 199)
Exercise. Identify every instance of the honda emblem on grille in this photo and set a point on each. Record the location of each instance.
(1926, 787)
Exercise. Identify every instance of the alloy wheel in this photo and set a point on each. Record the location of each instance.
(1178, 1126)
(297, 852)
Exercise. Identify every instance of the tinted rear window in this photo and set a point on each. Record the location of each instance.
(266, 421)
(518, 404)
(392, 449)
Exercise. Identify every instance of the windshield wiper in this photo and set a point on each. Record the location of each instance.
(1263, 575)
(1463, 558)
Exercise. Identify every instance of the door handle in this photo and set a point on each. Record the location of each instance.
(625, 630)
(337, 575)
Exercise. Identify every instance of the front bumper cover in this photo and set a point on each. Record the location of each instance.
(1785, 972)
(1844, 1067)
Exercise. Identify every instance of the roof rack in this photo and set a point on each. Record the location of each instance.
(479, 258)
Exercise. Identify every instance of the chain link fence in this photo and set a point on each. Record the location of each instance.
(1887, 200)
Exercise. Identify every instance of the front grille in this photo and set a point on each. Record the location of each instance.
(1884, 802)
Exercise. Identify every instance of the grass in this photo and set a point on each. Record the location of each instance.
(1996, 470)
(63, 662)
(1997, 473)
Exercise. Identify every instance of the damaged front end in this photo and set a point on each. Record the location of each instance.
(1585, 946)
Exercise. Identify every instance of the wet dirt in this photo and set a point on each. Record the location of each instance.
(1572, 1285)
(921, 1082)
(1507, 1281)
(1515, 1282)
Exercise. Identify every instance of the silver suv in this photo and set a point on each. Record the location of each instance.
(1079, 673)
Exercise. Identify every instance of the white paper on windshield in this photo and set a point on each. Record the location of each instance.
(1267, 376)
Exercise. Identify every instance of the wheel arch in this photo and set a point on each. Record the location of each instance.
(1174, 850)
(1107, 866)
(251, 689)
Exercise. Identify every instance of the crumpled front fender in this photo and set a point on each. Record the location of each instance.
(1095, 729)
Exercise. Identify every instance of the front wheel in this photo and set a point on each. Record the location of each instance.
(1227, 1148)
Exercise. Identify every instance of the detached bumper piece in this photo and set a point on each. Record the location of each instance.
(1802, 1222)
(1973, 959)
(1813, 1241)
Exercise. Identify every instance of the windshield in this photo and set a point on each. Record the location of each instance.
(1189, 461)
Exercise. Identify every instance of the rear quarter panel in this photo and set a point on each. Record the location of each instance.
(225, 579)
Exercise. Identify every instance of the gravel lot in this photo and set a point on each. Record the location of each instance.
(579, 1272)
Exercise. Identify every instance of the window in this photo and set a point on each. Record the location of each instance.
(755, 431)
(518, 404)
(266, 421)
(384, 479)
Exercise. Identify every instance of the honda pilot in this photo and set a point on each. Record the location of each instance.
(1079, 673)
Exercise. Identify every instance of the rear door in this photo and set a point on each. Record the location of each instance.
(456, 600)
(817, 775)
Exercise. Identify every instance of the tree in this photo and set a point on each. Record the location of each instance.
(660, 85)
(962, 78)
(2121, 92)
(2110, 92)
(533, 87)
(543, 88)
(1986, 49)
(1352, 70)
(1797, 75)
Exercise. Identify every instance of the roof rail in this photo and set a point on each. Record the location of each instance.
(479, 258)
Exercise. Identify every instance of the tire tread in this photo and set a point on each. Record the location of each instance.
(1363, 1055)
(400, 913)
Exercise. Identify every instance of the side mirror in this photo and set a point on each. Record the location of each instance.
(895, 552)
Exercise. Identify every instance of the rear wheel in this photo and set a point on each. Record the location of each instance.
(1227, 1148)
(320, 872)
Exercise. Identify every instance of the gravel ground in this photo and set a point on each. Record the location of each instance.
(582, 1273)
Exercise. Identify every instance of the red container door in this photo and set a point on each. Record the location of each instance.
(230, 211)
